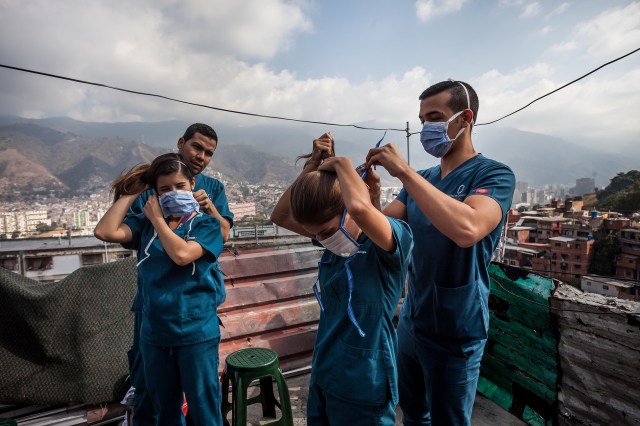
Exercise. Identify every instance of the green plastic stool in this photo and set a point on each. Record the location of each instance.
(243, 367)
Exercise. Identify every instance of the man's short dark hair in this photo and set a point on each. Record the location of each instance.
(203, 129)
(458, 100)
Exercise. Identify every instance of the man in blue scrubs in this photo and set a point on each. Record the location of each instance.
(197, 146)
(456, 211)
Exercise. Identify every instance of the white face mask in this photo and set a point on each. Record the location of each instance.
(341, 243)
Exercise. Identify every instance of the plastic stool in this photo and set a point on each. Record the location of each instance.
(243, 367)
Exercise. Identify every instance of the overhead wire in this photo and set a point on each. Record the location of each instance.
(561, 87)
(136, 92)
(555, 90)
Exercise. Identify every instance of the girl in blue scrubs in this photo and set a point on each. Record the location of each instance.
(361, 276)
(182, 286)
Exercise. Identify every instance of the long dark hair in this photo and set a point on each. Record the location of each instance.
(145, 176)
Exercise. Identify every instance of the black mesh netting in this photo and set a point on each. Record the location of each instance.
(66, 341)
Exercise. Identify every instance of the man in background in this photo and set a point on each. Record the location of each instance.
(197, 146)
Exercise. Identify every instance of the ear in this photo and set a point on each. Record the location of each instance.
(181, 143)
(193, 184)
(467, 116)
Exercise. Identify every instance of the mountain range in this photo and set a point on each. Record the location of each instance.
(68, 154)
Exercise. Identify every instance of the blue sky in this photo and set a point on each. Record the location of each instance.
(338, 61)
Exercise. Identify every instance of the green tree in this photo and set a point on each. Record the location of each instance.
(606, 248)
(622, 194)
(43, 227)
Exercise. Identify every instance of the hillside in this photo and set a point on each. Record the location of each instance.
(260, 153)
(41, 158)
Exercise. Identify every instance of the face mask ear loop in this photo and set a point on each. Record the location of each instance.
(344, 231)
(315, 289)
(466, 92)
(352, 316)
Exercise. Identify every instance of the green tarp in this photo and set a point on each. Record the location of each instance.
(67, 341)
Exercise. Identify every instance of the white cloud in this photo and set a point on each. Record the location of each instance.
(251, 28)
(508, 3)
(545, 30)
(531, 10)
(426, 9)
(213, 53)
(592, 108)
(562, 8)
(613, 32)
(181, 49)
(563, 47)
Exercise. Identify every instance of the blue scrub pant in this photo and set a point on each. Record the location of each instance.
(143, 412)
(437, 378)
(192, 369)
(324, 409)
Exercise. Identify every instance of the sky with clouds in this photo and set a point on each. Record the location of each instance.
(331, 60)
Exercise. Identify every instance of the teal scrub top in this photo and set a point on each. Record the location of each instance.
(346, 365)
(448, 288)
(214, 189)
(180, 302)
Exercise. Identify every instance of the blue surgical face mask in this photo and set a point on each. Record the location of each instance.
(434, 137)
(178, 203)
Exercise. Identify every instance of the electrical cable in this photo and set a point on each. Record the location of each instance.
(135, 92)
(553, 91)
(560, 88)
(295, 119)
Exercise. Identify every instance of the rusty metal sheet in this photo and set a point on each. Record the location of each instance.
(267, 291)
(270, 301)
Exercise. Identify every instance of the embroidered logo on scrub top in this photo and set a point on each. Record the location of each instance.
(460, 194)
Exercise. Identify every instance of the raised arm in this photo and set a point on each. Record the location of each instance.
(357, 200)
(464, 222)
(111, 227)
(206, 204)
(180, 251)
(281, 215)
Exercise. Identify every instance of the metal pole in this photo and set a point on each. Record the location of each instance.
(408, 136)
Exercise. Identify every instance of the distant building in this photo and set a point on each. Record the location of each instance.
(573, 205)
(241, 210)
(628, 261)
(548, 227)
(81, 219)
(577, 231)
(23, 221)
(521, 234)
(52, 259)
(520, 256)
(570, 258)
(584, 186)
(610, 287)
